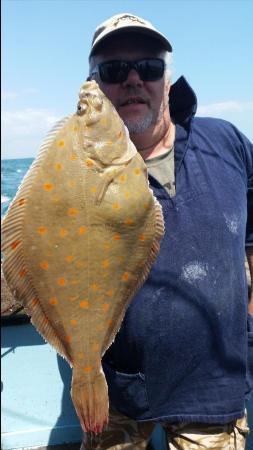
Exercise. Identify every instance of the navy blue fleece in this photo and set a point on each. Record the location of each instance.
(182, 352)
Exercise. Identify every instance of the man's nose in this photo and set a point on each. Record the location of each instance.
(133, 79)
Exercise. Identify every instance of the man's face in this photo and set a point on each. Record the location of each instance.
(140, 104)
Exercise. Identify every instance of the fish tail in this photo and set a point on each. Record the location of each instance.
(90, 399)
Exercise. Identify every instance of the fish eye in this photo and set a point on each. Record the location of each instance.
(81, 108)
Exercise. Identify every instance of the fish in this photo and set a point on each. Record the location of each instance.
(79, 240)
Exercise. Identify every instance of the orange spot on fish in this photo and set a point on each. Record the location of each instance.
(109, 322)
(105, 263)
(145, 205)
(115, 205)
(95, 347)
(68, 338)
(82, 230)
(21, 201)
(93, 189)
(35, 301)
(94, 287)
(42, 230)
(44, 265)
(106, 306)
(110, 292)
(84, 304)
(137, 171)
(61, 281)
(73, 322)
(116, 237)
(14, 244)
(141, 237)
(125, 276)
(73, 157)
(58, 167)
(87, 369)
(122, 178)
(120, 134)
(63, 232)
(48, 187)
(129, 221)
(75, 129)
(53, 301)
(22, 273)
(72, 211)
(71, 183)
(127, 195)
(89, 163)
(61, 143)
(69, 258)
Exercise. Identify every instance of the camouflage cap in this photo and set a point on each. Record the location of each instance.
(127, 23)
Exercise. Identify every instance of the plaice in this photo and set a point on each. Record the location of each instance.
(79, 240)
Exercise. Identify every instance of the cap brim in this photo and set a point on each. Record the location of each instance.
(137, 29)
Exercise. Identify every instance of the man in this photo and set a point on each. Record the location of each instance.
(182, 356)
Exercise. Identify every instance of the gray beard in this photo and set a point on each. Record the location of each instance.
(141, 125)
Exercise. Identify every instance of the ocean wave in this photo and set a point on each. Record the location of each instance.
(4, 198)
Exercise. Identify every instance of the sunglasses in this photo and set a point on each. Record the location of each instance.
(148, 69)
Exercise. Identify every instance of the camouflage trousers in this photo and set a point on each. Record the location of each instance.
(123, 433)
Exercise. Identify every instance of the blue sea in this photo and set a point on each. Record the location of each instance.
(12, 173)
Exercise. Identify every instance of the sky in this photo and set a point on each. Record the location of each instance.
(45, 47)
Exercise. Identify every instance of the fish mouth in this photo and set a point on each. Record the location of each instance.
(133, 101)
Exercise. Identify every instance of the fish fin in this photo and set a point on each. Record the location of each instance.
(106, 180)
(90, 400)
(14, 266)
(102, 188)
